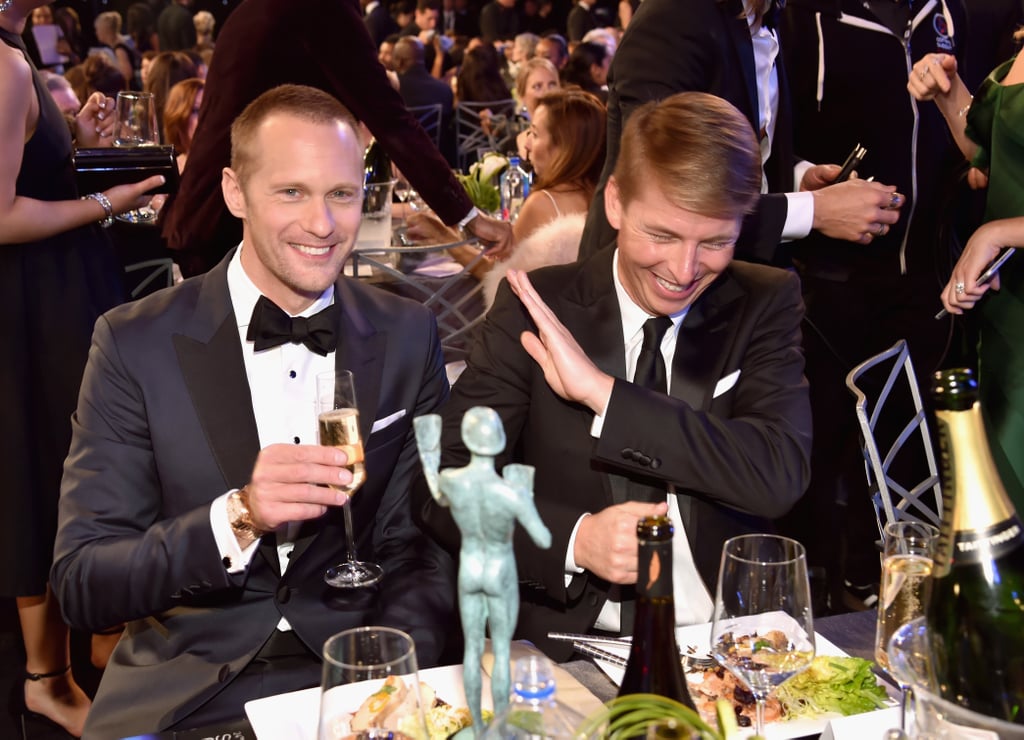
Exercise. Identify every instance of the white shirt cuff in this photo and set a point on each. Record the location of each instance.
(799, 215)
(597, 426)
(235, 558)
(571, 569)
(473, 213)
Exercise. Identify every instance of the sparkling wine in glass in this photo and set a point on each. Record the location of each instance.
(338, 426)
(763, 630)
(136, 126)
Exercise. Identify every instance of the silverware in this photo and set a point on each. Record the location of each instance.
(585, 644)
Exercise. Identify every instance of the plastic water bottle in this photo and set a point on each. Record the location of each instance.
(515, 186)
(533, 711)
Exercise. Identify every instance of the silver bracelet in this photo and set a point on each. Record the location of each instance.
(108, 209)
(963, 111)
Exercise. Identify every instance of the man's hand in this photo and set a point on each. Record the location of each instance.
(568, 371)
(288, 483)
(856, 210)
(494, 234)
(606, 543)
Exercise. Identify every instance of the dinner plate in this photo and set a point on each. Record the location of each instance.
(294, 715)
(696, 639)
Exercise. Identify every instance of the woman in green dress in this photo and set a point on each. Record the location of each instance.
(988, 129)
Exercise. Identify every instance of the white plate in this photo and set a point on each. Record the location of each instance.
(696, 639)
(294, 715)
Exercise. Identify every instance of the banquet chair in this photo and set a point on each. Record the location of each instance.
(901, 487)
(429, 117)
(471, 136)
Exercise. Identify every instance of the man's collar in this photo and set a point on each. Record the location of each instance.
(633, 317)
(244, 292)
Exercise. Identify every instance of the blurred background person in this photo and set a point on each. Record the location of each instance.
(204, 23)
(181, 115)
(554, 48)
(588, 68)
(58, 273)
(121, 48)
(581, 19)
(499, 21)
(175, 28)
(378, 20)
(140, 24)
(386, 50)
(167, 69)
(96, 74)
(537, 77)
(63, 94)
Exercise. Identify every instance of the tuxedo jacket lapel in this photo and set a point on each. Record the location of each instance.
(703, 339)
(739, 29)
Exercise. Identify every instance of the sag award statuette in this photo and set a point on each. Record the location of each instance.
(486, 507)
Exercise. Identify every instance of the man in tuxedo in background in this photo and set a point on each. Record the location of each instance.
(730, 49)
(195, 504)
(716, 415)
(378, 20)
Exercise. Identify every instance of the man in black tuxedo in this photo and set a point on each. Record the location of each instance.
(717, 412)
(378, 20)
(581, 19)
(713, 46)
(418, 87)
(194, 505)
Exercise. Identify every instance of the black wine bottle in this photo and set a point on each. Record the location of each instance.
(654, 666)
(376, 171)
(976, 615)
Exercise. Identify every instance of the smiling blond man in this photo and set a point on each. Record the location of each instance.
(706, 417)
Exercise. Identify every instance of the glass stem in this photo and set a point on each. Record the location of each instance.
(759, 703)
(350, 543)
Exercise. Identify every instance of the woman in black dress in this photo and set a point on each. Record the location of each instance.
(57, 274)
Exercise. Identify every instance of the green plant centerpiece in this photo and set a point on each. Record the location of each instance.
(481, 183)
(629, 717)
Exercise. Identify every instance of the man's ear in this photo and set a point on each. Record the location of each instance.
(613, 203)
(234, 196)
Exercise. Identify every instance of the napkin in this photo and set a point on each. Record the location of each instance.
(867, 726)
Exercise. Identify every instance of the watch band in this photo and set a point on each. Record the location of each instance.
(240, 518)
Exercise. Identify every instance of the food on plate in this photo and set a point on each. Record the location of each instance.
(833, 684)
(840, 684)
(392, 707)
(707, 687)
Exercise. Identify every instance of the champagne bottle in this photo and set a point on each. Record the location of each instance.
(976, 615)
(654, 666)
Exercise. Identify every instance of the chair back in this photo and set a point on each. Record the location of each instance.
(902, 476)
(429, 117)
(472, 135)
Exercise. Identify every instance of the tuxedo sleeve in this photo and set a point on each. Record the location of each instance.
(117, 557)
(750, 449)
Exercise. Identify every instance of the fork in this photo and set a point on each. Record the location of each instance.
(690, 662)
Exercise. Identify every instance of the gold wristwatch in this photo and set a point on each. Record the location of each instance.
(246, 531)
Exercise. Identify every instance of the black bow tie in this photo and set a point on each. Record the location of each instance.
(271, 327)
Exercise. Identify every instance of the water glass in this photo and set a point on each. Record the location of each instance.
(359, 663)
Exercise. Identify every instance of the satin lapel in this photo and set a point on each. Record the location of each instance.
(739, 30)
(703, 340)
(210, 357)
(591, 313)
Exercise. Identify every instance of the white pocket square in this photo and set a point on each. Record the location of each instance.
(726, 383)
(386, 421)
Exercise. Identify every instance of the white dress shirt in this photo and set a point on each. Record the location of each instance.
(282, 382)
(692, 601)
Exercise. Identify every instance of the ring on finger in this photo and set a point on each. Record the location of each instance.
(880, 231)
(959, 288)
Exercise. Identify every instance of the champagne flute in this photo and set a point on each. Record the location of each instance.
(367, 661)
(136, 126)
(763, 630)
(338, 426)
(905, 590)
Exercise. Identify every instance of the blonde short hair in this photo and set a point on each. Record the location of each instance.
(698, 148)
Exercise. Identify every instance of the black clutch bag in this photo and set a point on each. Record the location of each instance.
(102, 168)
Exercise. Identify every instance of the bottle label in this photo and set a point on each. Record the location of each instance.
(656, 561)
(979, 546)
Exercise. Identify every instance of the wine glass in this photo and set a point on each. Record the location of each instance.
(136, 126)
(364, 662)
(905, 590)
(338, 426)
(763, 631)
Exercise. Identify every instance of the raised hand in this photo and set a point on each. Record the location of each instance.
(856, 210)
